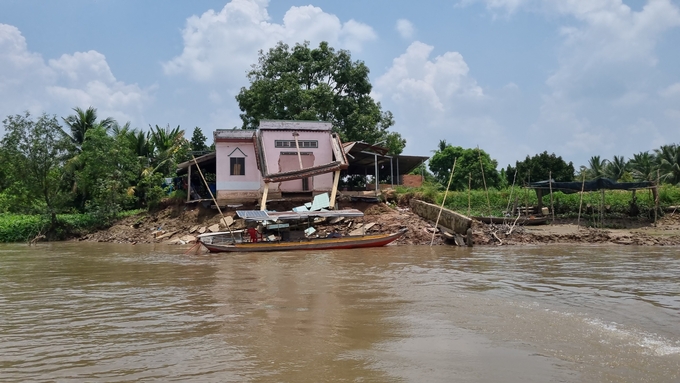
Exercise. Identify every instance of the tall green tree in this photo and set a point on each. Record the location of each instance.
(109, 172)
(322, 84)
(198, 140)
(596, 167)
(643, 167)
(169, 148)
(82, 121)
(668, 162)
(540, 167)
(467, 164)
(617, 168)
(35, 151)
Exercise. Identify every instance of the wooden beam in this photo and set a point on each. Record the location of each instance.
(263, 203)
(189, 184)
(334, 192)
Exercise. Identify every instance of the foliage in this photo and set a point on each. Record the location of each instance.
(642, 167)
(538, 168)
(34, 152)
(596, 167)
(83, 121)
(668, 163)
(109, 170)
(616, 168)
(170, 148)
(198, 141)
(319, 84)
(469, 165)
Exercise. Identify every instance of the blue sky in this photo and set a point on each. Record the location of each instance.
(516, 77)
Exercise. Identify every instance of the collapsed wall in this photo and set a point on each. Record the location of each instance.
(451, 220)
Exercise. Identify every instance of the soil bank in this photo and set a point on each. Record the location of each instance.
(181, 224)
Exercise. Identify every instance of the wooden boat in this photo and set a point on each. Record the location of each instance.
(349, 242)
(523, 221)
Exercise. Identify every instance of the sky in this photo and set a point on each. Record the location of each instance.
(577, 78)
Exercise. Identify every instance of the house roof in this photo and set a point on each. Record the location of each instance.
(362, 155)
(210, 157)
(233, 134)
(295, 125)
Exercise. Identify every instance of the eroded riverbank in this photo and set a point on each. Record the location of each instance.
(181, 224)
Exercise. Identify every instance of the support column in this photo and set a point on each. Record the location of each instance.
(377, 186)
(263, 203)
(189, 184)
(334, 192)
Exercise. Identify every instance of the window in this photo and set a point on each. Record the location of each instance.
(291, 143)
(237, 166)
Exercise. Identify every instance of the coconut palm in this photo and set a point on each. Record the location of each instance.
(643, 167)
(668, 161)
(616, 168)
(596, 167)
(166, 144)
(83, 121)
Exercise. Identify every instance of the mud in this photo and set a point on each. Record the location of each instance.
(181, 224)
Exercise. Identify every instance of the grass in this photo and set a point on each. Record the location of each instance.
(23, 228)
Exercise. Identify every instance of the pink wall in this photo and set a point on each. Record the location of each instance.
(251, 181)
(321, 155)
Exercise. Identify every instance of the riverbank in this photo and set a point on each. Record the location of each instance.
(181, 224)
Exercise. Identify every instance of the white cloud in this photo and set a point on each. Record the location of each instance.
(436, 98)
(221, 46)
(671, 91)
(405, 28)
(82, 79)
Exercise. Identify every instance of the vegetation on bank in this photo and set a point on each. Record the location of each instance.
(499, 202)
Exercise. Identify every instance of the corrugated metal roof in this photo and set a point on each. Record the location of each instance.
(239, 134)
(295, 125)
(260, 215)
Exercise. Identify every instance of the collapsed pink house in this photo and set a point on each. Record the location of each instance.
(278, 160)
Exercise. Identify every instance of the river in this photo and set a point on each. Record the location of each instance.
(113, 313)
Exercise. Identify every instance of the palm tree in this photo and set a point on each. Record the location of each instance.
(596, 167)
(166, 143)
(616, 168)
(668, 161)
(83, 121)
(643, 167)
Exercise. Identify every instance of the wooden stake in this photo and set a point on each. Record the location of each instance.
(552, 209)
(580, 202)
(488, 202)
(469, 187)
(436, 224)
(656, 198)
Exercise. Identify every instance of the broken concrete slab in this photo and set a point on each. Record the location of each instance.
(214, 228)
(167, 235)
(193, 229)
(369, 226)
(226, 221)
(202, 230)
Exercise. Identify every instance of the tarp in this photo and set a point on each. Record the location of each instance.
(593, 185)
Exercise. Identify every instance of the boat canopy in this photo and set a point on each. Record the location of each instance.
(263, 215)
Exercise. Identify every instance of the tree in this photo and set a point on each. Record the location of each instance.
(668, 162)
(109, 171)
(643, 167)
(198, 141)
(596, 167)
(540, 167)
(616, 168)
(169, 148)
(317, 84)
(83, 121)
(467, 163)
(35, 152)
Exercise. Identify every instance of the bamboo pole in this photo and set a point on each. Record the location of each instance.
(469, 187)
(488, 202)
(580, 202)
(512, 189)
(212, 196)
(656, 198)
(436, 224)
(552, 209)
(602, 210)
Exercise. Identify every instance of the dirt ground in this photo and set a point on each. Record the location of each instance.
(181, 224)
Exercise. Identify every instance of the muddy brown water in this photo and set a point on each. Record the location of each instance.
(113, 313)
